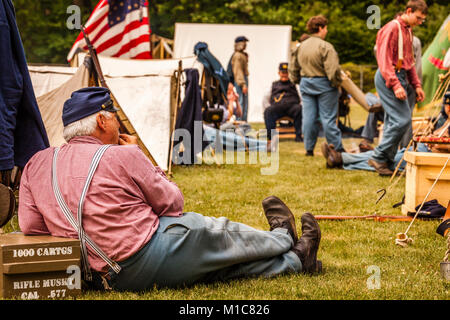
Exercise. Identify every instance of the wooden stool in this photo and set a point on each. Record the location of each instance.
(39, 267)
(285, 132)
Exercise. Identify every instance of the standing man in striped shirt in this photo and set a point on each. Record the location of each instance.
(396, 68)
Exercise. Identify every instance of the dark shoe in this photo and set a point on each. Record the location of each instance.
(298, 139)
(333, 157)
(443, 228)
(308, 245)
(279, 216)
(365, 146)
(375, 108)
(309, 153)
(380, 167)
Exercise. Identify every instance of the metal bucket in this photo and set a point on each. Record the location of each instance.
(445, 270)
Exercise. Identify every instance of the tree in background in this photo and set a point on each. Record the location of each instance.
(47, 39)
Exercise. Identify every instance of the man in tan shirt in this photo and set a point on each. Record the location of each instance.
(238, 69)
(317, 62)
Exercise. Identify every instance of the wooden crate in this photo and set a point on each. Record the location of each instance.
(422, 169)
(39, 267)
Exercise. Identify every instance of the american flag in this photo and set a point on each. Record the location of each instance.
(117, 28)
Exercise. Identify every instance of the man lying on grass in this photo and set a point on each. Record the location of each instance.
(133, 231)
(350, 161)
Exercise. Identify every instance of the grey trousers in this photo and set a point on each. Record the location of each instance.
(195, 248)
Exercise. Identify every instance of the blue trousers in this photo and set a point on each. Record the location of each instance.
(243, 100)
(233, 141)
(275, 112)
(370, 130)
(195, 248)
(358, 161)
(319, 100)
(397, 118)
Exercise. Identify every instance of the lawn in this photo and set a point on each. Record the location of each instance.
(350, 250)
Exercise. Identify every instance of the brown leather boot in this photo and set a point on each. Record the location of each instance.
(333, 157)
(365, 146)
(308, 245)
(380, 167)
(279, 216)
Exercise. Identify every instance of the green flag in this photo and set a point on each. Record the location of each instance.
(432, 62)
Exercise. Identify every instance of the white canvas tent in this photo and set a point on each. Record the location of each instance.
(144, 89)
(53, 86)
(268, 46)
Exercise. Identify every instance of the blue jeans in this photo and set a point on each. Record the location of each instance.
(397, 118)
(411, 93)
(243, 100)
(195, 248)
(320, 100)
(358, 161)
(233, 141)
(370, 130)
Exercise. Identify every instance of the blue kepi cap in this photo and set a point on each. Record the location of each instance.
(85, 102)
(240, 38)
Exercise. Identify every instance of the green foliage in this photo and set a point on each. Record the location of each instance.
(348, 30)
(42, 25)
(47, 39)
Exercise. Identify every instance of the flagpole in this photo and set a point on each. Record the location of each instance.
(150, 37)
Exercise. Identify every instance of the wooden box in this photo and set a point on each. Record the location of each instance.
(39, 267)
(422, 169)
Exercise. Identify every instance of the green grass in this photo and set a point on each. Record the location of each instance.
(347, 248)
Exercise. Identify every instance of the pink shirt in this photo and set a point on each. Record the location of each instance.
(387, 54)
(126, 196)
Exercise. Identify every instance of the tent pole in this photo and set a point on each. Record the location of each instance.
(124, 128)
(177, 104)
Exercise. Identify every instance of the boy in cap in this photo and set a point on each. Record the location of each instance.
(132, 217)
(238, 71)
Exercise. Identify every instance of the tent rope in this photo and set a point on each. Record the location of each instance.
(402, 238)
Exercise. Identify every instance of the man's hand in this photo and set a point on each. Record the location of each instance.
(125, 139)
(244, 90)
(400, 93)
(420, 94)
